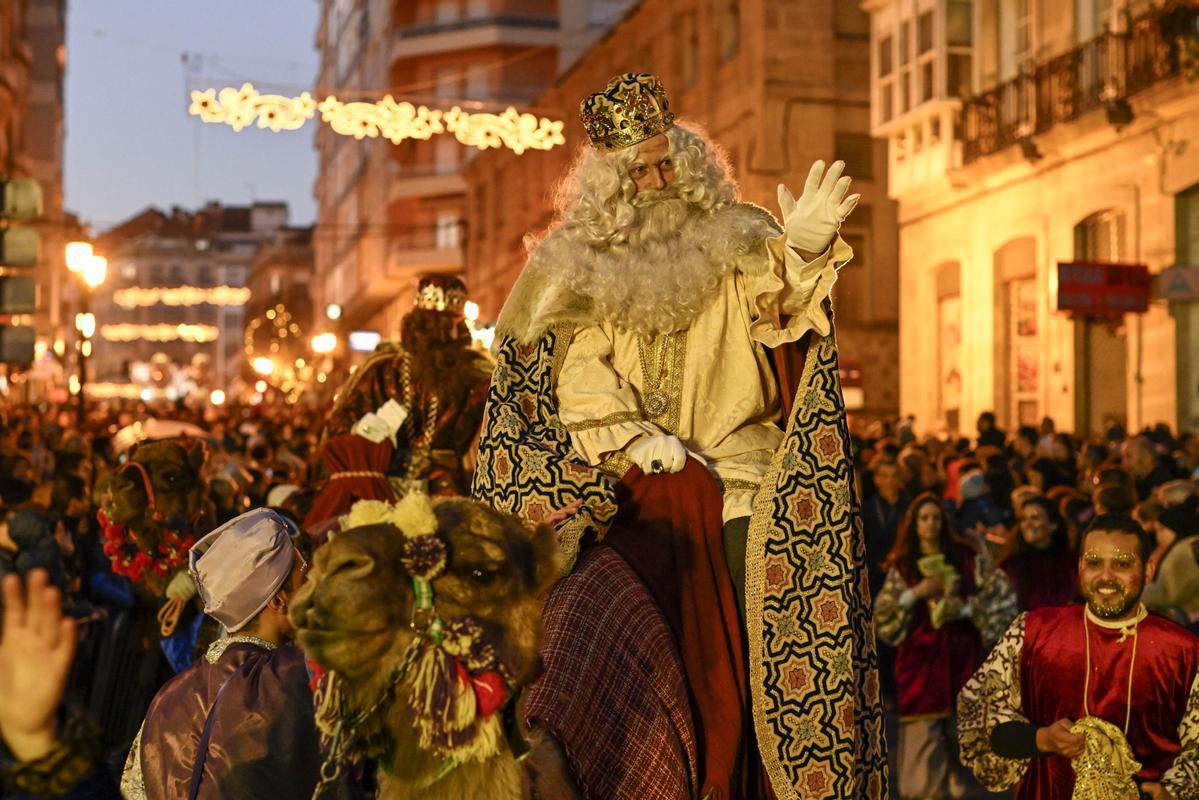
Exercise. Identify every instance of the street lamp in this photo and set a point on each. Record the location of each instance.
(78, 255)
(83, 261)
(94, 271)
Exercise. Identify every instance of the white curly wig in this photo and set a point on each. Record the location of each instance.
(650, 260)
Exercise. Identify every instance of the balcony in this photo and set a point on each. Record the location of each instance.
(1102, 73)
(517, 30)
(429, 28)
(426, 180)
(430, 248)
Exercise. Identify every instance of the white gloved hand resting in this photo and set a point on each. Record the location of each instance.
(658, 454)
(813, 220)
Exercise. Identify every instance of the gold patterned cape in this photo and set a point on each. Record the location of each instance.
(813, 667)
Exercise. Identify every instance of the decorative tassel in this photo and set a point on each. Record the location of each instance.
(433, 696)
(327, 702)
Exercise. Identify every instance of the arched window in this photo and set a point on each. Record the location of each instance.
(1100, 353)
(949, 343)
(1018, 372)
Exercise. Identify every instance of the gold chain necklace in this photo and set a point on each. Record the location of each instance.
(654, 400)
(1086, 685)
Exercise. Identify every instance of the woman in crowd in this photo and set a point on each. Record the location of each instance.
(1042, 565)
(940, 604)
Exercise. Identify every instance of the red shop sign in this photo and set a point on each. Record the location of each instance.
(1097, 287)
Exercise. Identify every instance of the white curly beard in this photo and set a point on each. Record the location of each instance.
(673, 259)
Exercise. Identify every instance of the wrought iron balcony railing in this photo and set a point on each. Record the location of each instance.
(504, 20)
(1101, 73)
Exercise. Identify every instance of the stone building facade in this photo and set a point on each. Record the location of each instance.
(175, 298)
(32, 68)
(777, 84)
(387, 213)
(1022, 135)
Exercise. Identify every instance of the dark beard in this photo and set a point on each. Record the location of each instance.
(1115, 607)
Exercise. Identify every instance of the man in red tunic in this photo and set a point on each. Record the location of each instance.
(1101, 694)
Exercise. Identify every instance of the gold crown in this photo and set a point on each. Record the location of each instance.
(630, 110)
(439, 293)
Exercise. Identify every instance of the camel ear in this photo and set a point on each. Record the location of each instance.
(547, 558)
(197, 454)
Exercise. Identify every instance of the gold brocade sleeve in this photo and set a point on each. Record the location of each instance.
(598, 408)
(787, 300)
(1182, 778)
(990, 698)
(892, 619)
(995, 603)
(133, 785)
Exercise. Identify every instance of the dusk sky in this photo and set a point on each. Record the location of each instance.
(130, 142)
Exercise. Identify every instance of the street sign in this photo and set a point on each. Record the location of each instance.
(1102, 288)
(1178, 283)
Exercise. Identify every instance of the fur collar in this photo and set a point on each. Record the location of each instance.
(567, 281)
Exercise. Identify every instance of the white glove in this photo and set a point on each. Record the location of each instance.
(813, 220)
(658, 454)
(181, 587)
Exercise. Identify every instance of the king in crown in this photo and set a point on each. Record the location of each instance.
(667, 382)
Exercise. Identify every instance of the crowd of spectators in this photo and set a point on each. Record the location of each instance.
(963, 533)
(51, 464)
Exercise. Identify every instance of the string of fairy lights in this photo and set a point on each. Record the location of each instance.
(387, 118)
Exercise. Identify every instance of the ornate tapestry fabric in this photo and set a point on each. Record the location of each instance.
(525, 464)
(813, 666)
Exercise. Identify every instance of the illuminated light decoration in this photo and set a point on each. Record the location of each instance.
(388, 118)
(138, 297)
(217, 397)
(518, 132)
(238, 108)
(283, 366)
(124, 391)
(73, 384)
(162, 332)
(260, 387)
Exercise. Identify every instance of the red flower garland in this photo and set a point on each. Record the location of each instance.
(130, 560)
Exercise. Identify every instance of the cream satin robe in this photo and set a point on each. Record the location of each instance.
(723, 401)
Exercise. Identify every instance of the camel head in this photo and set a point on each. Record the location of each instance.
(157, 500)
(358, 615)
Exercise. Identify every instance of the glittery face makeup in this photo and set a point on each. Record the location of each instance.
(1111, 576)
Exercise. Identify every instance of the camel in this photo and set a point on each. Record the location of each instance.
(153, 508)
(357, 616)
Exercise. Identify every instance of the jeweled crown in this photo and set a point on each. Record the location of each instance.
(441, 293)
(632, 108)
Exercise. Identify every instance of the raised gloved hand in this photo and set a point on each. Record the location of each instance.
(813, 220)
(658, 454)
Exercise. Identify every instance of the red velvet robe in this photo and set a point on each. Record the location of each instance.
(1052, 676)
(933, 664)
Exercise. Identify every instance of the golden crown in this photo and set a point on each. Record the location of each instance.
(439, 293)
(630, 110)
